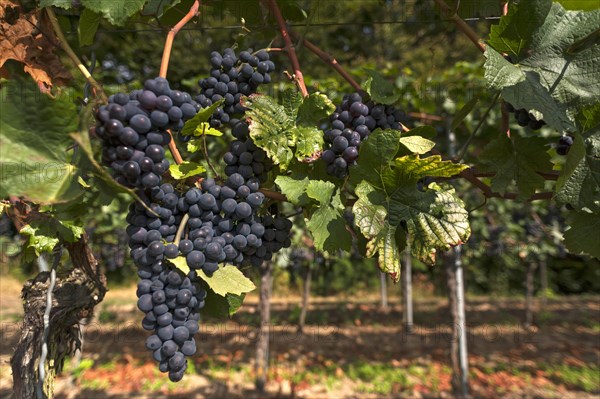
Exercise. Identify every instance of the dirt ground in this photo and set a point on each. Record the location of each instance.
(351, 348)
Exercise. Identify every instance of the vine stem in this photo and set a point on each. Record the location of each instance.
(273, 195)
(289, 47)
(64, 44)
(487, 191)
(462, 25)
(182, 224)
(164, 64)
(327, 58)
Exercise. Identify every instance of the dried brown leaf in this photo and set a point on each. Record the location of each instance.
(29, 39)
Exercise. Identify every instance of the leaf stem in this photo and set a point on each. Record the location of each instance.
(462, 25)
(174, 150)
(164, 64)
(64, 44)
(289, 47)
(327, 58)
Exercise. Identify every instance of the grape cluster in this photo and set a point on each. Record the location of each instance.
(564, 145)
(208, 225)
(244, 157)
(171, 302)
(133, 130)
(351, 123)
(231, 77)
(524, 117)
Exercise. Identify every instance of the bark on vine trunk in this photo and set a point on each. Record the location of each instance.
(407, 303)
(383, 290)
(305, 299)
(75, 295)
(262, 343)
(452, 305)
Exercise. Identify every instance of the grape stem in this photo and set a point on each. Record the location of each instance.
(64, 44)
(174, 150)
(181, 228)
(327, 58)
(462, 25)
(205, 148)
(164, 64)
(289, 47)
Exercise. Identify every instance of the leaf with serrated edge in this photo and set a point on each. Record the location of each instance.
(181, 263)
(221, 307)
(202, 116)
(309, 141)
(186, 169)
(227, 280)
(380, 89)
(327, 224)
(557, 75)
(117, 12)
(271, 128)
(413, 168)
(374, 155)
(579, 182)
(516, 159)
(417, 144)
(582, 235)
(294, 189)
(313, 109)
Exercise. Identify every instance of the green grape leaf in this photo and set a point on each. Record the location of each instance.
(194, 145)
(191, 126)
(427, 132)
(271, 128)
(185, 170)
(327, 224)
(157, 8)
(313, 109)
(204, 129)
(513, 35)
(380, 89)
(387, 193)
(579, 182)
(292, 11)
(221, 307)
(460, 116)
(589, 117)
(374, 154)
(294, 189)
(516, 159)
(117, 12)
(582, 235)
(291, 100)
(180, 263)
(417, 144)
(45, 234)
(413, 168)
(35, 162)
(309, 141)
(227, 280)
(556, 73)
(88, 25)
(373, 224)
